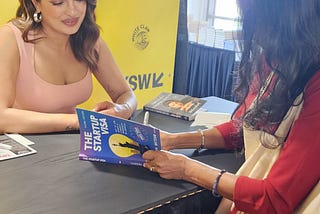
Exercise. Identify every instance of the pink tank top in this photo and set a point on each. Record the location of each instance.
(35, 94)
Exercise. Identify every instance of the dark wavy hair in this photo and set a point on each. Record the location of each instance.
(286, 35)
(82, 43)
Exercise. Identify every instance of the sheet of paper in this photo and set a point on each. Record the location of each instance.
(210, 119)
(21, 139)
(14, 147)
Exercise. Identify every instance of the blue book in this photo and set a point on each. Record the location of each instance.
(110, 139)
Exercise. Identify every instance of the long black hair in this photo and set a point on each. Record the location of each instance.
(82, 43)
(285, 36)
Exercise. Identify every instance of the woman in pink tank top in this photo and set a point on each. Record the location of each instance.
(48, 54)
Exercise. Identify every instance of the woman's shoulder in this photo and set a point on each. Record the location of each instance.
(10, 30)
(7, 36)
(6, 30)
(312, 94)
(314, 83)
(9, 51)
(99, 43)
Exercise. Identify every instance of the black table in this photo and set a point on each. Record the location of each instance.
(55, 181)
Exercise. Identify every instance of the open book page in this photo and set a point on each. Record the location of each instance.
(13, 146)
(210, 119)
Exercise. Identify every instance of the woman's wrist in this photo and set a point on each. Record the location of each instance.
(128, 103)
(192, 169)
(202, 140)
(128, 109)
(72, 123)
(172, 142)
(183, 140)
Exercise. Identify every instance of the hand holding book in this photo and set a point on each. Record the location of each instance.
(115, 140)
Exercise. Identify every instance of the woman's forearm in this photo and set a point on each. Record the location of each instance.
(23, 121)
(205, 176)
(212, 139)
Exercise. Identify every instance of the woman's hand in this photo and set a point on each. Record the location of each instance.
(114, 109)
(167, 164)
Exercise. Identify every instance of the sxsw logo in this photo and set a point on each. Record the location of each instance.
(145, 81)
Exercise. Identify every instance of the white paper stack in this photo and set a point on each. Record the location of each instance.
(210, 119)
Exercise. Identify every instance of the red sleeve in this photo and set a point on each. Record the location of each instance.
(231, 131)
(231, 134)
(295, 172)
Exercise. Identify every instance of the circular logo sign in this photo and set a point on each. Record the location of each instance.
(140, 37)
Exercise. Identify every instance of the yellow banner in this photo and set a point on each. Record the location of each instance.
(8, 10)
(141, 35)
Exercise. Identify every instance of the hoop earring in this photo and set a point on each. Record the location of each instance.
(37, 17)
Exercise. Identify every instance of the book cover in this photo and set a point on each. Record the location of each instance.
(115, 140)
(176, 105)
(13, 146)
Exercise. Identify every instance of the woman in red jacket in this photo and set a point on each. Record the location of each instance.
(277, 122)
